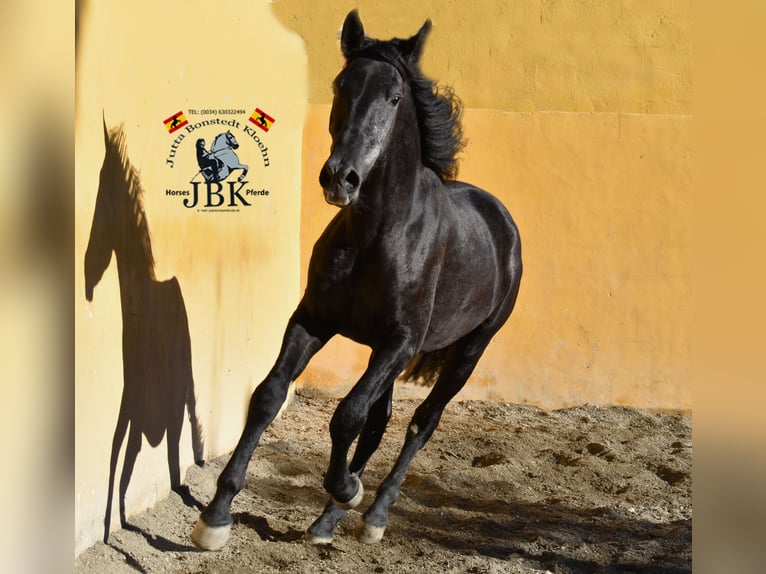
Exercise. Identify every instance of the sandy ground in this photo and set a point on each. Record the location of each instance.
(499, 488)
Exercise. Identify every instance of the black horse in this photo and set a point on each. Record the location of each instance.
(421, 268)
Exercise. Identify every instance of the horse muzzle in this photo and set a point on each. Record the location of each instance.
(340, 183)
(339, 197)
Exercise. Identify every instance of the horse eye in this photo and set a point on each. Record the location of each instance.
(395, 100)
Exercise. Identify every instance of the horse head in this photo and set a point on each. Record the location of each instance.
(372, 100)
(101, 241)
(231, 140)
(223, 141)
(119, 223)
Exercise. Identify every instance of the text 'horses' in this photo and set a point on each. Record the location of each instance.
(419, 267)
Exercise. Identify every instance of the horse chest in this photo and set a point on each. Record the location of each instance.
(351, 290)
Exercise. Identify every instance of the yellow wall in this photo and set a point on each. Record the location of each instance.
(529, 55)
(238, 272)
(576, 114)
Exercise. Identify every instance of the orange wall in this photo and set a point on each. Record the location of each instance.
(603, 202)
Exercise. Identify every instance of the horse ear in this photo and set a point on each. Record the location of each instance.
(412, 48)
(352, 37)
(106, 131)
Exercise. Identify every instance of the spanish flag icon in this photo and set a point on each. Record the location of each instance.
(175, 122)
(262, 119)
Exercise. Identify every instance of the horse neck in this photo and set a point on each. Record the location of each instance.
(136, 278)
(133, 249)
(135, 267)
(219, 143)
(392, 190)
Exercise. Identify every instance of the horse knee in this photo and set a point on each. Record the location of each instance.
(346, 423)
(229, 482)
(426, 418)
(267, 400)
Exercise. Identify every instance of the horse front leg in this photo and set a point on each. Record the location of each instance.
(457, 368)
(119, 435)
(298, 346)
(321, 531)
(350, 417)
(244, 169)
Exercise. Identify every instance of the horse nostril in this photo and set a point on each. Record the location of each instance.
(325, 176)
(352, 179)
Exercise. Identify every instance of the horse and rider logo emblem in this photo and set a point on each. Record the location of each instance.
(216, 165)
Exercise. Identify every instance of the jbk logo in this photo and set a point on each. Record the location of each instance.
(214, 195)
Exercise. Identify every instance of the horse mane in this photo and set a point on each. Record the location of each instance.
(124, 171)
(439, 110)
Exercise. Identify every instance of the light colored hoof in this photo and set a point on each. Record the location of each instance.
(354, 502)
(369, 534)
(317, 540)
(210, 537)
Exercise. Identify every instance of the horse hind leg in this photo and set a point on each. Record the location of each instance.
(321, 531)
(244, 169)
(174, 450)
(198, 442)
(174, 431)
(350, 416)
(459, 365)
(131, 453)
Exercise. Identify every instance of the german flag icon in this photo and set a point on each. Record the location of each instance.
(175, 122)
(262, 119)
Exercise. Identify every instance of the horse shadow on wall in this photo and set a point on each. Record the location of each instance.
(156, 347)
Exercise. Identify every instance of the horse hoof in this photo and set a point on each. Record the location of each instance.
(355, 500)
(367, 533)
(317, 540)
(210, 537)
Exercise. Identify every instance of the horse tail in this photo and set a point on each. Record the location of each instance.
(198, 444)
(425, 368)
